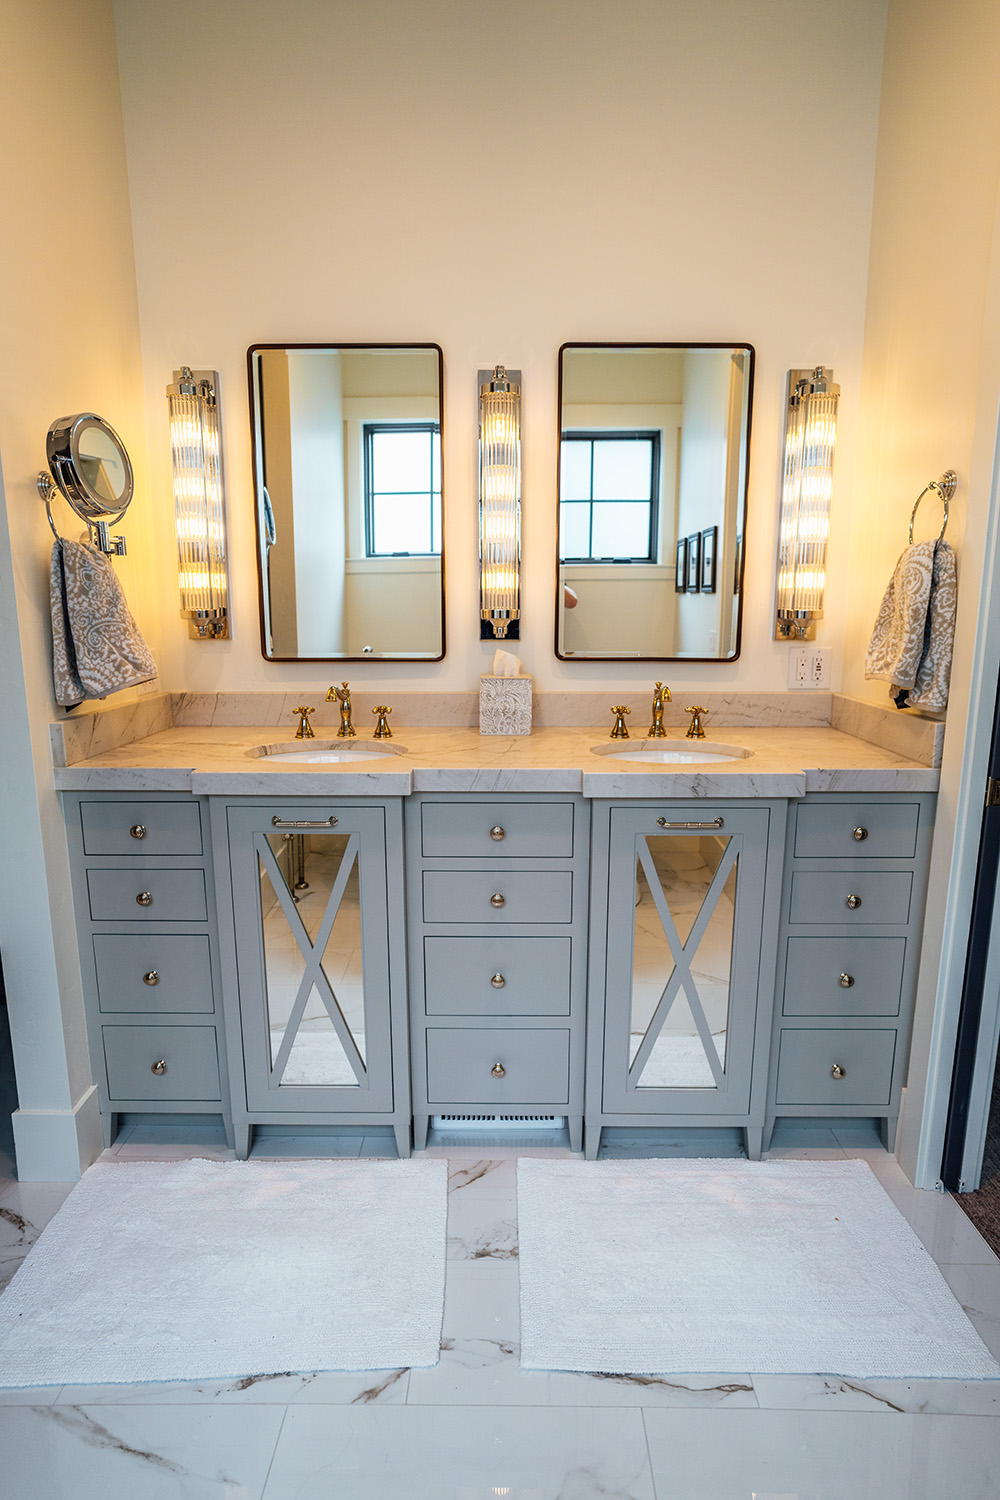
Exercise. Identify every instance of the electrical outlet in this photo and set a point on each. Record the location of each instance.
(809, 667)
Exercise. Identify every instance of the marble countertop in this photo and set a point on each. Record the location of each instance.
(783, 762)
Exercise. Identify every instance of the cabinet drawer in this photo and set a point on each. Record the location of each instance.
(806, 1060)
(859, 830)
(515, 830)
(817, 970)
(821, 896)
(174, 895)
(138, 827)
(460, 1067)
(532, 974)
(190, 1053)
(523, 896)
(153, 972)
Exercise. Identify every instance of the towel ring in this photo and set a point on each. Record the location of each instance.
(944, 488)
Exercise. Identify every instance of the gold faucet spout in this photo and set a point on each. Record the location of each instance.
(661, 696)
(343, 697)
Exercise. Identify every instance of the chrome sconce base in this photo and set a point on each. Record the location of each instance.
(208, 626)
(796, 625)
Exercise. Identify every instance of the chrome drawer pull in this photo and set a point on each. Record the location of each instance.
(837, 1071)
(151, 978)
(860, 834)
(144, 898)
(853, 902)
(498, 981)
(159, 1068)
(715, 823)
(846, 981)
(138, 830)
(497, 833)
(497, 900)
(498, 1070)
(330, 822)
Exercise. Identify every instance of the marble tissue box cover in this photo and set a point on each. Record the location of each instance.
(505, 704)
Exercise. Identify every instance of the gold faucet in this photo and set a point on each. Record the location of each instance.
(695, 731)
(342, 694)
(661, 696)
(305, 729)
(382, 730)
(620, 731)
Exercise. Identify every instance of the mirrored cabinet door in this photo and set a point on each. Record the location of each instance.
(684, 941)
(312, 953)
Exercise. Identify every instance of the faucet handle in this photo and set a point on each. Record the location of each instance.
(695, 731)
(382, 730)
(305, 730)
(620, 730)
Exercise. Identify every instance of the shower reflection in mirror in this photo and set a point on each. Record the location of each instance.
(654, 449)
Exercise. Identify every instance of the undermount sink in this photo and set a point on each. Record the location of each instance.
(688, 753)
(323, 752)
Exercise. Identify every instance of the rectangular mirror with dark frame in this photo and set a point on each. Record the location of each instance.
(347, 444)
(654, 452)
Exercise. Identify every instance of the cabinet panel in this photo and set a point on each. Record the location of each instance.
(147, 895)
(461, 1064)
(497, 897)
(856, 830)
(807, 1059)
(503, 976)
(821, 896)
(153, 972)
(497, 828)
(141, 827)
(188, 1055)
(849, 976)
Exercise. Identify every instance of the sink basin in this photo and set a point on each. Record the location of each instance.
(323, 752)
(685, 753)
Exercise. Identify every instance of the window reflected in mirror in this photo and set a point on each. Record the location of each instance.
(654, 443)
(348, 481)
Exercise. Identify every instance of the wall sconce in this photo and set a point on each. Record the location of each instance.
(804, 524)
(196, 459)
(499, 503)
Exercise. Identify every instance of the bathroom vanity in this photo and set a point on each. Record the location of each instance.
(429, 937)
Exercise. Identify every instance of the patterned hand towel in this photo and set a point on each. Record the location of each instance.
(96, 645)
(911, 644)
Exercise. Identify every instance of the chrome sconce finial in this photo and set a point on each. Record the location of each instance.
(499, 503)
(804, 522)
(196, 461)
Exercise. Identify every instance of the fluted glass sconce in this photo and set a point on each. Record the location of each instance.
(196, 459)
(804, 525)
(499, 503)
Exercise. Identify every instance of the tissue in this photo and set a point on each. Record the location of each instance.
(506, 665)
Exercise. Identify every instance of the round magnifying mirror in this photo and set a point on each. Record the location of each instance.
(90, 465)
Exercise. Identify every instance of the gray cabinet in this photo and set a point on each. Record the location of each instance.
(145, 913)
(314, 963)
(683, 923)
(852, 909)
(497, 921)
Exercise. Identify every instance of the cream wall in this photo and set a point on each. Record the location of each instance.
(70, 340)
(396, 171)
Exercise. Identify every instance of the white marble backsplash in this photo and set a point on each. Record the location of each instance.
(86, 734)
(902, 731)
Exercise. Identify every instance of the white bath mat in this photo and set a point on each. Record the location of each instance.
(788, 1267)
(202, 1270)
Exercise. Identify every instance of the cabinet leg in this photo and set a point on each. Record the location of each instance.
(765, 1144)
(421, 1125)
(575, 1124)
(241, 1139)
(227, 1126)
(753, 1136)
(402, 1131)
(887, 1130)
(109, 1129)
(591, 1142)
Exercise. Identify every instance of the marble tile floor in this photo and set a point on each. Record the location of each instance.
(476, 1426)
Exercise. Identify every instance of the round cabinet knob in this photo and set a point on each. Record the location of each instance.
(853, 902)
(497, 900)
(138, 830)
(498, 1070)
(861, 834)
(497, 833)
(144, 898)
(498, 981)
(846, 981)
(837, 1071)
(159, 1068)
(151, 978)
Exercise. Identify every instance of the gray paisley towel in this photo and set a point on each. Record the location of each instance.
(912, 641)
(96, 645)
